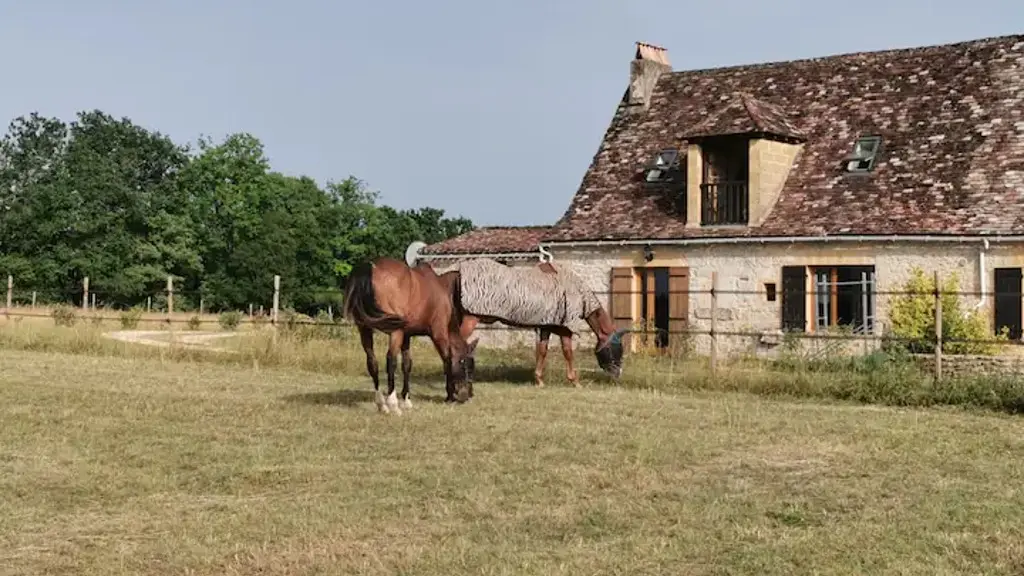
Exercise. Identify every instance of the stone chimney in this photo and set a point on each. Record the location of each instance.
(649, 63)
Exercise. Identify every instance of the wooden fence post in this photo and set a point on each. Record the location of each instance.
(277, 298)
(273, 312)
(10, 292)
(33, 299)
(200, 305)
(85, 293)
(250, 311)
(864, 287)
(170, 306)
(93, 305)
(170, 297)
(938, 331)
(714, 324)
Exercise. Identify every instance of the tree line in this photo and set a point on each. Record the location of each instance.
(104, 198)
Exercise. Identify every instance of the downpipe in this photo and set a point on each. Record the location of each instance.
(982, 275)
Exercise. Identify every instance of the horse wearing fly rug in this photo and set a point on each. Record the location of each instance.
(403, 302)
(542, 297)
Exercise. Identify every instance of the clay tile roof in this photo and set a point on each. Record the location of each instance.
(491, 240)
(951, 160)
(744, 114)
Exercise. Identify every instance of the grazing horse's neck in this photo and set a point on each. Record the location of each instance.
(601, 324)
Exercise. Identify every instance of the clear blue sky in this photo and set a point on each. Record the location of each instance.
(487, 109)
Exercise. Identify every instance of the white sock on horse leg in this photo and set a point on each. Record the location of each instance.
(392, 402)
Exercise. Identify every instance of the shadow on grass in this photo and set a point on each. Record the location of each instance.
(504, 373)
(352, 398)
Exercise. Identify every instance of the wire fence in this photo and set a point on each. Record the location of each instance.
(823, 311)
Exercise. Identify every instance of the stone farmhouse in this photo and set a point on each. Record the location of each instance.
(806, 185)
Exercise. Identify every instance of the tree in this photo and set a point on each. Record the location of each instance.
(36, 211)
(131, 227)
(105, 198)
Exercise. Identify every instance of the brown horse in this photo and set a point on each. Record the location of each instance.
(608, 348)
(403, 302)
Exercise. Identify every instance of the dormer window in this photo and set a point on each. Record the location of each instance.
(865, 152)
(664, 167)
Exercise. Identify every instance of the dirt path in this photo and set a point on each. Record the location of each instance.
(188, 338)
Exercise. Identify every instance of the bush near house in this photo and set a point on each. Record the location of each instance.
(912, 318)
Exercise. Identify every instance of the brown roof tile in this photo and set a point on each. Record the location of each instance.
(744, 114)
(951, 160)
(491, 240)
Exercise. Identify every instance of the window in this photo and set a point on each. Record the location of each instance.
(840, 296)
(664, 167)
(865, 151)
(654, 302)
(844, 296)
(667, 174)
(769, 289)
(664, 302)
(658, 297)
(724, 189)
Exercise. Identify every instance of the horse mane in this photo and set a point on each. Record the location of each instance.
(451, 281)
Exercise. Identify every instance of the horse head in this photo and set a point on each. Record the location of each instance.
(609, 353)
(461, 366)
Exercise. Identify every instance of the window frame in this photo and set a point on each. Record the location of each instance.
(831, 300)
(669, 171)
(861, 162)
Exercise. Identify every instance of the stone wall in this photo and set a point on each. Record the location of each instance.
(770, 163)
(744, 270)
(958, 366)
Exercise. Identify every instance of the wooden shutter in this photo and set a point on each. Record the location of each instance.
(794, 298)
(620, 300)
(678, 302)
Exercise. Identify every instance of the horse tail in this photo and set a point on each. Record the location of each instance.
(361, 302)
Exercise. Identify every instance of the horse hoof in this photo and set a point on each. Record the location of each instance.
(406, 404)
(392, 402)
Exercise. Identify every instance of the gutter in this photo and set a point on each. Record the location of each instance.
(453, 256)
(782, 240)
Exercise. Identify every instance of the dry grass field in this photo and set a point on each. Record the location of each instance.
(117, 458)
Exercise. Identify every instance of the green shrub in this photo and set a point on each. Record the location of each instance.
(194, 323)
(130, 318)
(912, 316)
(64, 315)
(230, 320)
